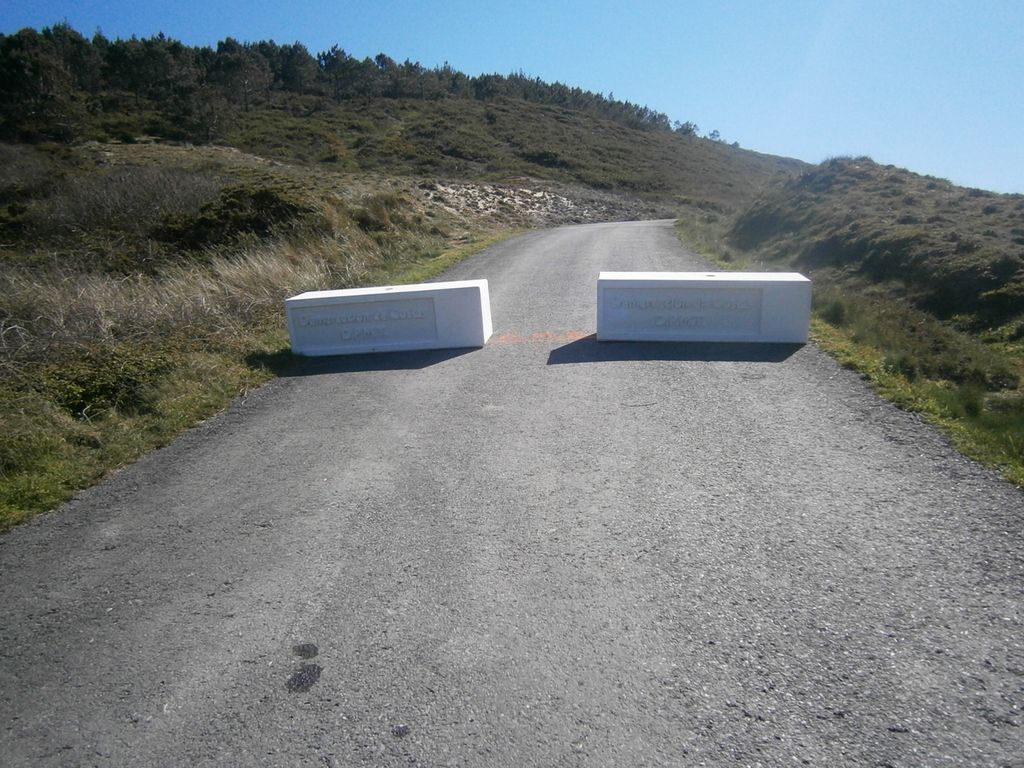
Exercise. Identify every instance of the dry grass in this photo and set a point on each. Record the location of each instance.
(95, 370)
(49, 314)
(22, 169)
(130, 199)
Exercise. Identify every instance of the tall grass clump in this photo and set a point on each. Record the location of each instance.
(127, 199)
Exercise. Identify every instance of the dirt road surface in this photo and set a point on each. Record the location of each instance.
(547, 552)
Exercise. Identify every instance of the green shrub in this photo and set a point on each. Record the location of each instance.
(903, 364)
(911, 342)
(381, 212)
(28, 438)
(833, 312)
(240, 211)
(127, 199)
(107, 377)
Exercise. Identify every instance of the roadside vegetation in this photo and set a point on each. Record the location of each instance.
(918, 285)
(141, 297)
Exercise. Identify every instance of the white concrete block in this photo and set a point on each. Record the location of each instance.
(392, 318)
(703, 306)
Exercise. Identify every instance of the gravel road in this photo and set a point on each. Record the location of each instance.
(548, 552)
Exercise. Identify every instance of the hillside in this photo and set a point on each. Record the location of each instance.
(280, 101)
(956, 253)
(918, 284)
(507, 139)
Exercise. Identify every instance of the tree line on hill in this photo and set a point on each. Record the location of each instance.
(57, 85)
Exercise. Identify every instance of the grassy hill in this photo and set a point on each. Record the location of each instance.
(955, 253)
(504, 140)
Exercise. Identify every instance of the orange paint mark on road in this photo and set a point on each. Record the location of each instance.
(541, 337)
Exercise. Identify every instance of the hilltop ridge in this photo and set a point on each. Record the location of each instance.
(281, 101)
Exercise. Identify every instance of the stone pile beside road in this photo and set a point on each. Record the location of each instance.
(537, 206)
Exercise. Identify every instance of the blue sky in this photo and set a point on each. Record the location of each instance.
(936, 86)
